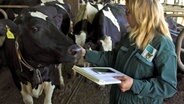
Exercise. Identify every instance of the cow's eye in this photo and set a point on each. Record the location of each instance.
(35, 29)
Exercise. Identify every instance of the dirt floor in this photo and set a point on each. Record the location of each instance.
(73, 92)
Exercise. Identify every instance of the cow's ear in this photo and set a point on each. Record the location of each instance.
(58, 20)
(4, 23)
(68, 8)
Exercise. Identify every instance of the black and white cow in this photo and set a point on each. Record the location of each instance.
(83, 22)
(109, 24)
(2, 40)
(34, 46)
(60, 15)
(107, 28)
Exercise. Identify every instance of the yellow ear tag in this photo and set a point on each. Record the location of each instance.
(9, 34)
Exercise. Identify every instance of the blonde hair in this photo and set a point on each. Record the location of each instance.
(149, 19)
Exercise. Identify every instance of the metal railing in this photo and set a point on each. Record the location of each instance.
(2, 7)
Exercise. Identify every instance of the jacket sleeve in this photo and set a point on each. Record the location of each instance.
(101, 58)
(165, 82)
(105, 58)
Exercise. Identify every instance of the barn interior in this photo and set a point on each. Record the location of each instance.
(78, 89)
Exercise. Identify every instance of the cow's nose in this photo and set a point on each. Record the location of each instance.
(74, 50)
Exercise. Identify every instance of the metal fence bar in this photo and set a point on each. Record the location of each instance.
(14, 6)
(4, 13)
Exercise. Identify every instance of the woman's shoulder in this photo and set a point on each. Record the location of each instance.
(162, 41)
(163, 44)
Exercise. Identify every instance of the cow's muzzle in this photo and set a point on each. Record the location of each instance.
(75, 51)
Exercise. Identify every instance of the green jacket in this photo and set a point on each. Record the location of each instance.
(153, 80)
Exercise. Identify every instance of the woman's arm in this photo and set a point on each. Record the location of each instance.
(101, 58)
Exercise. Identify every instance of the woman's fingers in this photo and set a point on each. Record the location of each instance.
(126, 83)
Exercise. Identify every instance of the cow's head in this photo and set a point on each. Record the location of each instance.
(41, 41)
(62, 18)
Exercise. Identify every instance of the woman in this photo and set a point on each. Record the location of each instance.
(146, 55)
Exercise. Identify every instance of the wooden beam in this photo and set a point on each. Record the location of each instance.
(74, 6)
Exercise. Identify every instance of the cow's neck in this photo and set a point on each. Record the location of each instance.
(30, 64)
(21, 59)
(22, 62)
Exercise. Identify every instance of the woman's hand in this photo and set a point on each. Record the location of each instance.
(126, 83)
